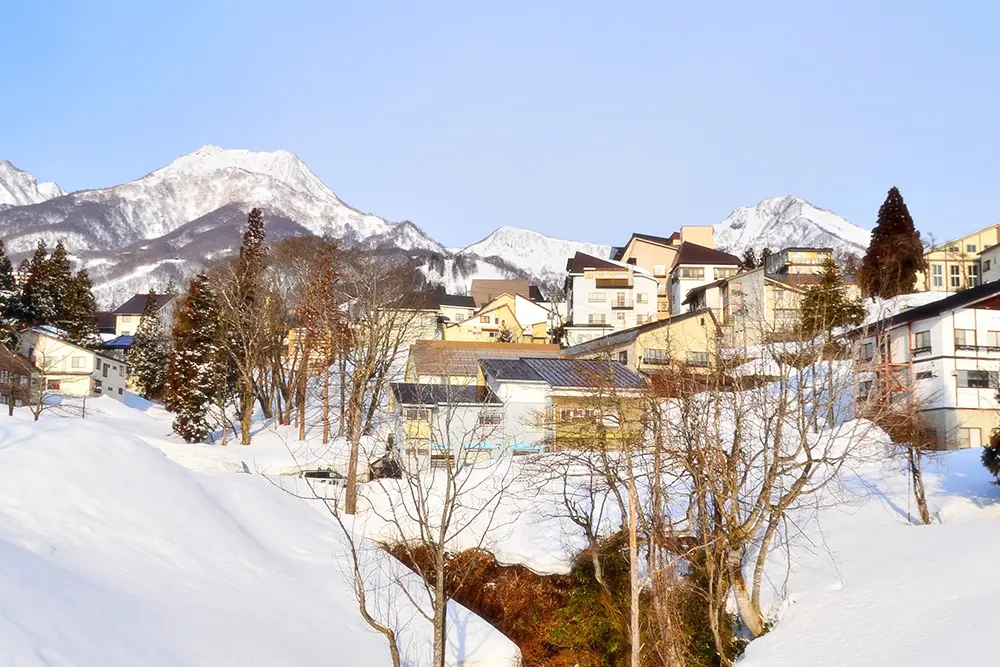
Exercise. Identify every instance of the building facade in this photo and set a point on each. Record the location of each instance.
(696, 266)
(606, 296)
(72, 370)
(955, 265)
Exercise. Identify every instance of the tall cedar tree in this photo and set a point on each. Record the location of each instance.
(765, 254)
(244, 339)
(150, 352)
(37, 305)
(78, 314)
(196, 371)
(10, 301)
(749, 260)
(895, 254)
(60, 280)
(825, 306)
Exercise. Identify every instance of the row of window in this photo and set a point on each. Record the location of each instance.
(601, 318)
(964, 339)
(9, 377)
(620, 298)
(955, 275)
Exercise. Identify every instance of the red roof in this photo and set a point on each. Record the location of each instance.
(692, 253)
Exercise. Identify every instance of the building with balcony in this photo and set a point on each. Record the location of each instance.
(940, 359)
(604, 296)
(792, 261)
(686, 343)
(956, 265)
(657, 255)
(696, 266)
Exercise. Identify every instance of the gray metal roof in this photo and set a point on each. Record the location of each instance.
(408, 393)
(567, 373)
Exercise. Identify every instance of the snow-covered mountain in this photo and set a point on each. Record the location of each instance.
(540, 255)
(788, 221)
(19, 188)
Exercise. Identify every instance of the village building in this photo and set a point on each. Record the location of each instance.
(457, 362)
(72, 370)
(18, 379)
(604, 296)
(696, 266)
(507, 316)
(956, 265)
(129, 314)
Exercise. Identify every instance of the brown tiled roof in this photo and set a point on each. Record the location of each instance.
(580, 262)
(692, 253)
(460, 358)
(484, 291)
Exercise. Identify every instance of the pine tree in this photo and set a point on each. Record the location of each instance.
(78, 314)
(10, 301)
(60, 279)
(749, 260)
(37, 306)
(252, 248)
(826, 307)
(196, 371)
(991, 454)
(895, 254)
(765, 254)
(149, 354)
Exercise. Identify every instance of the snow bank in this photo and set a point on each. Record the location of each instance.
(111, 554)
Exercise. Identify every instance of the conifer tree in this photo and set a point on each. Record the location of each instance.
(749, 260)
(37, 306)
(10, 301)
(196, 372)
(826, 307)
(60, 278)
(765, 254)
(149, 354)
(895, 254)
(78, 314)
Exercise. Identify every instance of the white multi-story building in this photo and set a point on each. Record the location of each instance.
(943, 360)
(73, 370)
(606, 296)
(695, 266)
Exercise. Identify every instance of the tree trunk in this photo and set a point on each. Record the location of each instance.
(326, 401)
(354, 438)
(301, 400)
(440, 609)
(342, 369)
(633, 558)
(915, 463)
(246, 410)
(749, 613)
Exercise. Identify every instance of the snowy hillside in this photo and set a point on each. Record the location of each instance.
(115, 556)
(788, 221)
(538, 254)
(19, 188)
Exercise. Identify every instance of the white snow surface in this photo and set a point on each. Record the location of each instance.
(784, 222)
(19, 188)
(536, 253)
(112, 554)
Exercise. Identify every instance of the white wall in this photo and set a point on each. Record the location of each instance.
(75, 368)
(643, 287)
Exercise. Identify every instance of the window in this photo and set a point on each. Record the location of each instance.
(965, 338)
(640, 319)
(126, 332)
(977, 379)
(956, 276)
(972, 273)
(953, 248)
(78, 362)
(970, 437)
(490, 417)
(623, 356)
(121, 371)
(724, 273)
(120, 392)
(417, 414)
(925, 375)
(993, 339)
(922, 342)
(659, 269)
(868, 350)
(655, 356)
(864, 390)
(691, 274)
(970, 247)
(986, 265)
(97, 387)
(621, 316)
(642, 298)
(596, 318)
(52, 385)
(596, 297)
(126, 319)
(938, 275)
(698, 359)
(106, 367)
(484, 319)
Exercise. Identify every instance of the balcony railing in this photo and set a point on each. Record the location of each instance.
(622, 304)
(921, 350)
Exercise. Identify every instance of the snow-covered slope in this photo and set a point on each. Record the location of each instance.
(538, 254)
(111, 555)
(19, 188)
(784, 222)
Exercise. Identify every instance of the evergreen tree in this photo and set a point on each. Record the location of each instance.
(252, 248)
(749, 260)
(765, 254)
(37, 306)
(895, 254)
(196, 371)
(60, 279)
(10, 301)
(78, 314)
(826, 307)
(149, 354)
(991, 454)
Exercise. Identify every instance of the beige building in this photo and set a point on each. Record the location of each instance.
(686, 342)
(129, 314)
(956, 265)
(798, 261)
(72, 370)
(510, 315)
(658, 254)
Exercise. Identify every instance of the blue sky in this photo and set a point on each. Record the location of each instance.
(581, 120)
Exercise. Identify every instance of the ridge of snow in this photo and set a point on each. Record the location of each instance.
(19, 188)
(783, 222)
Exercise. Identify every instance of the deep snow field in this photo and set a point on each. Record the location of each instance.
(120, 545)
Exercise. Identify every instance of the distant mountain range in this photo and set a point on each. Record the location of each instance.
(173, 221)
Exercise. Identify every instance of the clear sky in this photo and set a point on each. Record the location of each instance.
(577, 119)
